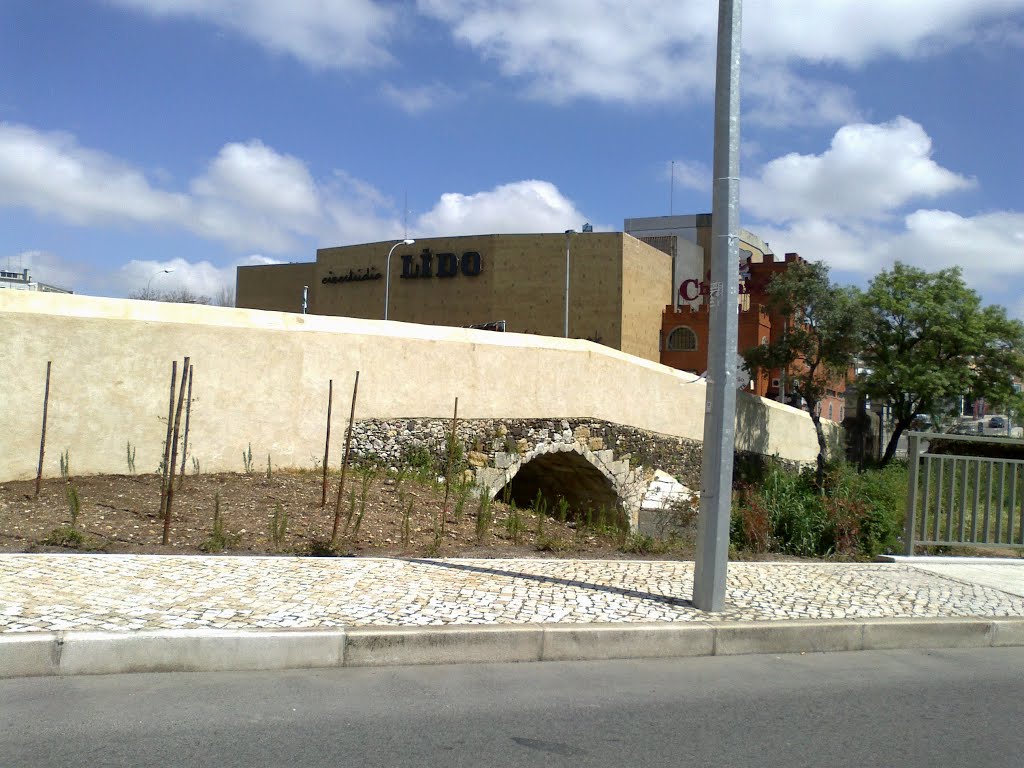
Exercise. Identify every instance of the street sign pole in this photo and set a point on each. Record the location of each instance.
(720, 406)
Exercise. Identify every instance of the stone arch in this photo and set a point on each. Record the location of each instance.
(584, 478)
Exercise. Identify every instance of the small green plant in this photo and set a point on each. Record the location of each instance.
(74, 504)
(548, 543)
(484, 515)
(130, 449)
(64, 536)
(562, 510)
(278, 526)
(269, 473)
(514, 523)
(195, 466)
(320, 548)
(65, 464)
(642, 544)
(462, 493)
(406, 522)
(247, 460)
(540, 509)
(218, 541)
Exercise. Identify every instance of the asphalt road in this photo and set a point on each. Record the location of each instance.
(939, 708)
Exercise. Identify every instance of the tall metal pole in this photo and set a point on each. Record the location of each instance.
(568, 234)
(720, 408)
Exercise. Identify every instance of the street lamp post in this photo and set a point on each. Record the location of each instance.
(150, 281)
(387, 273)
(720, 409)
(568, 235)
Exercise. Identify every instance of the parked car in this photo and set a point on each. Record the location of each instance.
(997, 422)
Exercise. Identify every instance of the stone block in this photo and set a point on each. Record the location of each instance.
(787, 637)
(889, 634)
(29, 655)
(595, 443)
(578, 642)
(96, 653)
(476, 459)
(386, 646)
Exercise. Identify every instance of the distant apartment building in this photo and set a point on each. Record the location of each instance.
(22, 281)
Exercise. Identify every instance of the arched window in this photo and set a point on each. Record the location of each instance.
(682, 339)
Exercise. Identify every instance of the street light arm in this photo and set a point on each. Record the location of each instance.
(387, 273)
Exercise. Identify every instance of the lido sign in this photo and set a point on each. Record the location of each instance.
(469, 264)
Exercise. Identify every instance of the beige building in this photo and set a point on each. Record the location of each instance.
(618, 285)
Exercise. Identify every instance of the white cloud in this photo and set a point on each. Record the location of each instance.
(252, 197)
(868, 172)
(419, 99)
(201, 278)
(51, 174)
(249, 196)
(849, 208)
(988, 246)
(774, 96)
(324, 34)
(663, 50)
(690, 174)
(524, 206)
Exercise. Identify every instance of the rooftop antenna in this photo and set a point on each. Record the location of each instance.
(672, 190)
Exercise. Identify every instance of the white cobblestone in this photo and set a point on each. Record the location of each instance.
(168, 592)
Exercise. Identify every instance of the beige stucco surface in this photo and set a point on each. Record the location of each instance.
(261, 378)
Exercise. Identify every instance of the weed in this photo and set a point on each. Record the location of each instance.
(74, 504)
(514, 523)
(406, 523)
(278, 526)
(548, 543)
(540, 509)
(65, 464)
(269, 474)
(483, 515)
(642, 544)
(320, 548)
(131, 457)
(562, 510)
(462, 493)
(218, 541)
(195, 466)
(247, 460)
(64, 536)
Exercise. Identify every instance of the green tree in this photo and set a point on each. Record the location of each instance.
(929, 340)
(819, 341)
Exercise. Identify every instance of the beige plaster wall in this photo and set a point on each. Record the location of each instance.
(261, 378)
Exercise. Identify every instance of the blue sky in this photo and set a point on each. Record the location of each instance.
(196, 135)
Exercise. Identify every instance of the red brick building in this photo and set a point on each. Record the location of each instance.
(684, 333)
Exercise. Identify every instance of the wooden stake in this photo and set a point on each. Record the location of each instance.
(188, 414)
(344, 461)
(174, 453)
(327, 444)
(42, 438)
(167, 441)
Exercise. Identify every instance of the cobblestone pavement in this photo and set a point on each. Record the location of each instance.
(124, 592)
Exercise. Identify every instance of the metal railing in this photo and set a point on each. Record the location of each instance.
(958, 499)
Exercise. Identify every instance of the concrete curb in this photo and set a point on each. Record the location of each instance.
(82, 653)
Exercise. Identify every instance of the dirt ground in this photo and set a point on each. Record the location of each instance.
(121, 514)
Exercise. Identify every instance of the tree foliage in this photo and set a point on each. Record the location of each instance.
(929, 340)
(819, 341)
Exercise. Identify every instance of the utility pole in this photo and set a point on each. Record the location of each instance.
(720, 407)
